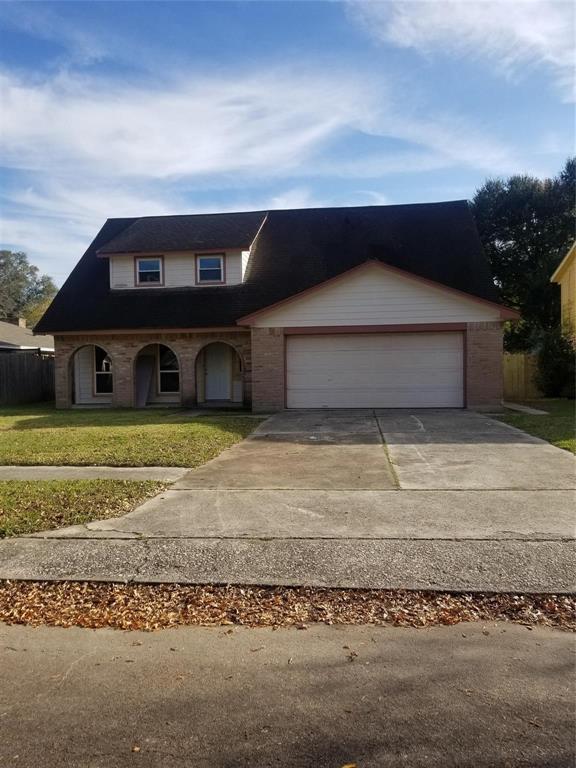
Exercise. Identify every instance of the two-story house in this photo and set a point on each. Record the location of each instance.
(367, 307)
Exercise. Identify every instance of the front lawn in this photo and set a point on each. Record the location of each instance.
(29, 506)
(557, 427)
(40, 434)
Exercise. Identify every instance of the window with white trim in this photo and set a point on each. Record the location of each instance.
(149, 271)
(168, 370)
(210, 268)
(103, 382)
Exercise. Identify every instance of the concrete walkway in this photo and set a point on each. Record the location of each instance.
(444, 697)
(454, 500)
(163, 474)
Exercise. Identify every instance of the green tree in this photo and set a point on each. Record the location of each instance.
(526, 226)
(24, 292)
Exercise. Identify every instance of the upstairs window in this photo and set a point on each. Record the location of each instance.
(103, 384)
(149, 271)
(210, 269)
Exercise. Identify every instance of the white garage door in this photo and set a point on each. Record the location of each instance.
(384, 370)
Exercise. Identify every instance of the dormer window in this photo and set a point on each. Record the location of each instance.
(149, 271)
(210, 269)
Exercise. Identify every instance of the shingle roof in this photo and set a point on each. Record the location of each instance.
(14, 337)
(180, 233)
(294, 250)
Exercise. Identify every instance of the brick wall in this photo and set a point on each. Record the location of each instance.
(268, 386)
(123, 349)
(484, 378)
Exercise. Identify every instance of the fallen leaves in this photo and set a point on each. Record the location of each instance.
(149, 607)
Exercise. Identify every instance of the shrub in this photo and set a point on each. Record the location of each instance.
(556, 370)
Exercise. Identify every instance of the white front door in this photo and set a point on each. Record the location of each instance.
(218, 368)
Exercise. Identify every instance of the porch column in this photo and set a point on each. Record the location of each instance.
(123, 373)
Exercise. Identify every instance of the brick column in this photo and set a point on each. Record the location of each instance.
(123, 367)
(268, 385)
(484, 379)
(62, 373)
(187, 356)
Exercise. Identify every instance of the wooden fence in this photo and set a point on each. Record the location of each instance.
(519, 371)
(25, 377)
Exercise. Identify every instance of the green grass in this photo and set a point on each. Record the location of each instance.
(557, 427)
(29, 506)
(120, 438)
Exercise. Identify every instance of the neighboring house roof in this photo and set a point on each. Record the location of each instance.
(293, 251)
(187, 233)
(564, 264)
(14, 337)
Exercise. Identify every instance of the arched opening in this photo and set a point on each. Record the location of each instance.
(92, 376)
(156, 376)
(219, 375)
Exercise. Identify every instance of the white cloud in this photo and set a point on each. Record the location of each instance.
(196, 126)
(83, 149)
(509, 35)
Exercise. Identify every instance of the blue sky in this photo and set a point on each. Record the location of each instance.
(140, 108)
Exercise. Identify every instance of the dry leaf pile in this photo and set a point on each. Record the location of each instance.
(149, 607)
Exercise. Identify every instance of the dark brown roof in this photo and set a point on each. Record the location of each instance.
(294, 250)
(181, 233)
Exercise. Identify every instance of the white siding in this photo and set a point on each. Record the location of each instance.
(84, 379)
(374, 296)
(388, 370)
(179, 270)
(121, 272)
(233, 267)
(245, 257)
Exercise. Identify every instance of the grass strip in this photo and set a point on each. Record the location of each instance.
(30, 506)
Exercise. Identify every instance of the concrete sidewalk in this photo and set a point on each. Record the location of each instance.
(163, 474)
(453, 501)
(445, 697)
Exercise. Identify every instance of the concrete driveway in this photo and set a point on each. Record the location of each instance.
(392, 499)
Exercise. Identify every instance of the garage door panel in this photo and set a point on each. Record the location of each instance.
(375, 371)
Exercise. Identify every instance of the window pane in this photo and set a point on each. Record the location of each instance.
(148, 277)
(210, 262)
(210, 269)
(149, 265)
(169, 382)
(103, 383)
(210, 275)
(101, 360)
(167, 359)
(149, 270)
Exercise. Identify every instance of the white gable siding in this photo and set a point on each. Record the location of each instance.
(245, 257)
(374, 296)
(179, 270)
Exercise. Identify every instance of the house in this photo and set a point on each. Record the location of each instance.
(380, 306)
(565, 277)
(16, 337)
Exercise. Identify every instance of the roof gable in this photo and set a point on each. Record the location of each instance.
(566, 262)
(375, 294)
